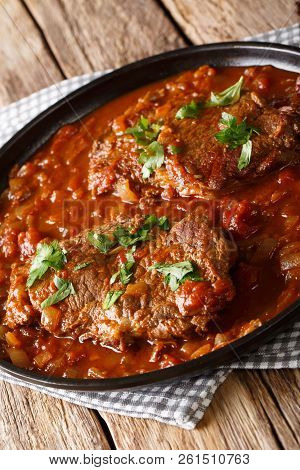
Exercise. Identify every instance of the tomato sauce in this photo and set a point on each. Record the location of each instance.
(48, 197)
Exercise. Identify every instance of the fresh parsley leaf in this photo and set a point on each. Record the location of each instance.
(152, 158)
(125, 271)
(245, 156)
(100, 241)
(235, 135)
(126, 268)
(175, 274)
(151, 152)
(65, 288)
(150, 221)
(144, 132)
(111, 297)
(82, 265)
(229, 96)
(175, 150)
(126, 238)
(190, 110)
(47, 256)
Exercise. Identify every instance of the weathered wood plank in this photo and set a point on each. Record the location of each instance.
(26, 65)
(236, 419)
(284, 387)
(88, 35)
(30, 420)
(205, 21)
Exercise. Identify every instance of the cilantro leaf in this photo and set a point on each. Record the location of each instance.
(190, 110)
(152, 158)
(65, 288)
(229, 96)
(111, 298)
(82, 265)
(235, 135)
(144, 132)
(100, 241)
(175, 274)
(47, 256)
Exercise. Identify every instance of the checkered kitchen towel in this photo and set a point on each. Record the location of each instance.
(184, 402)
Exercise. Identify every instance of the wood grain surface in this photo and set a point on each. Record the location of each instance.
(87, 35)
(43, 42)
(30, 420)
(205, 21)
(26, 62)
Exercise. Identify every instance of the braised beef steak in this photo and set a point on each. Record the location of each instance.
(204, 166)
(153, 303)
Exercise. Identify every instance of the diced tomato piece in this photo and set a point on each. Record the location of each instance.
(239, 217)
(192, 295)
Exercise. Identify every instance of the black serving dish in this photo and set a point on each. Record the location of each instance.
(93, 95)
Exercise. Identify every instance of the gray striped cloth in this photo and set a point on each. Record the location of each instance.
(184, 402)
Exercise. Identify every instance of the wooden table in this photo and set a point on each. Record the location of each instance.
(45, 41)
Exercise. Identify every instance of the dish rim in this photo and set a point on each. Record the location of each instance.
(193, 367)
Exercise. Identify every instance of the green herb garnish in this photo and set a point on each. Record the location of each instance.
(190, 110)
(82, 265)
(125, 271)
(126, 238)
(176, 274)
(144, 132)
(151, 151)
(152, 220)
(229, 96)
(47, 256)
(65, 288)
(111, 297)
(152, 158)
(245, 156)
(235, 135)
(100, 241)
